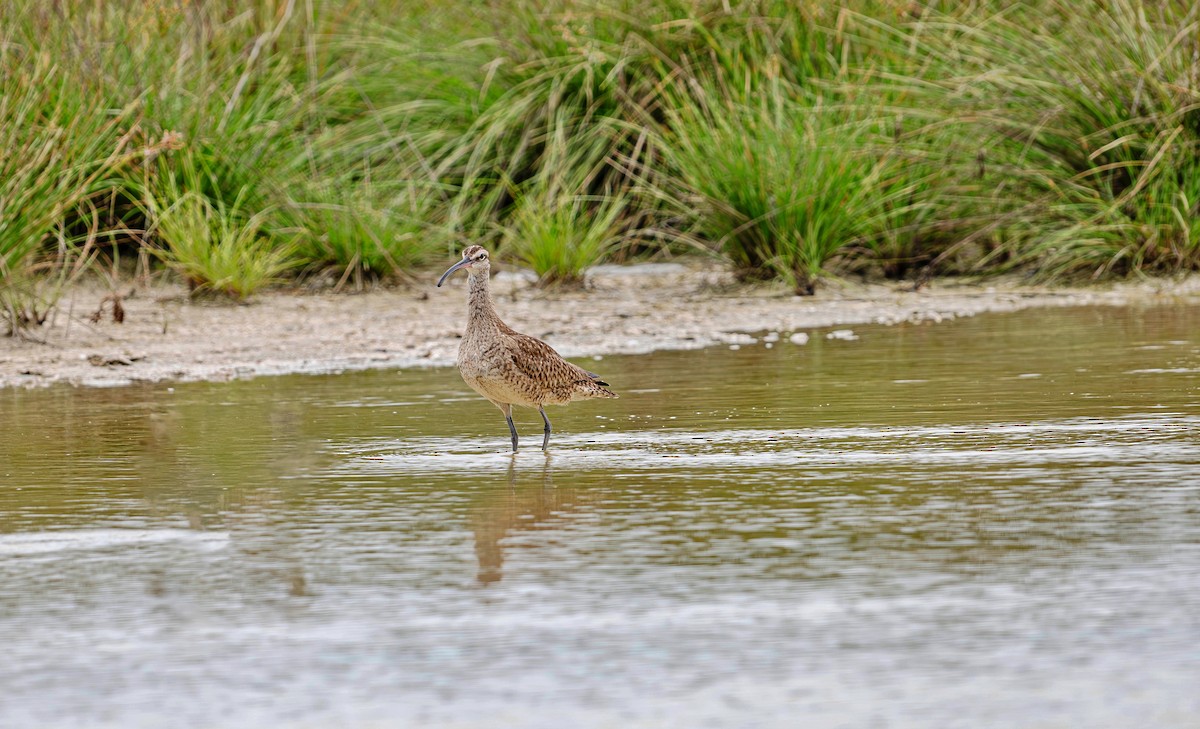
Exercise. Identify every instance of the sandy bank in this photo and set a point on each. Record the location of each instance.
(625, 310)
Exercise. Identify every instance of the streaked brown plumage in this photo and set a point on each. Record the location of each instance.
(507, 367)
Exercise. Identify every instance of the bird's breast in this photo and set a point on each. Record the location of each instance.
(481, 359)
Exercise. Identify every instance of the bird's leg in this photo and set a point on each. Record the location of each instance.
(546, 437)
(511, 428)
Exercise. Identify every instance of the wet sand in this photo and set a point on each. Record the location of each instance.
(624, 310)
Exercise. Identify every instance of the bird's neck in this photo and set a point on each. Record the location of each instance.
(479, 299)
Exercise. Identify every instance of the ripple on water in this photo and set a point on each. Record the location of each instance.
(83, 540)
(1077, 441)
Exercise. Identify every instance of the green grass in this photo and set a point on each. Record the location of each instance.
(1078, 131)
(566, 218)
(362, 230)
(560, 238)
(58, 159)
(785, 188)
(216, 248)
(797, 140)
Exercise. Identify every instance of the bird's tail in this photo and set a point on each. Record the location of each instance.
(595, 387)
(595, 377)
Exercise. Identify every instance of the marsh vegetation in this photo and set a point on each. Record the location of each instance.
(240, 143)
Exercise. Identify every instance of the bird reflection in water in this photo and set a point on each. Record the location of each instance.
(521, 505)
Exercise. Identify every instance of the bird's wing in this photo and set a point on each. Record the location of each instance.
(539, 361)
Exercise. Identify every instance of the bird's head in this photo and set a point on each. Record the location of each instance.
(474, 258)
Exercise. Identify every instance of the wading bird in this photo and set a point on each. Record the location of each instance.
(509, 368)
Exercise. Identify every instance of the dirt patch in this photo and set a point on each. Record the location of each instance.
(635, 309)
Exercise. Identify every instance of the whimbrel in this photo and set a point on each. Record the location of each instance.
(509, 368)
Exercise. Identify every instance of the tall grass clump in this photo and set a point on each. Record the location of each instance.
(1079, 131)
(474, 115)
(560, 238)
(216, 246)
(566, 219)
(785, 189)
(361, 229)
(59, 156)
(202, 83)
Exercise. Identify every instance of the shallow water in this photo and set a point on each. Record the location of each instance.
(992, 522)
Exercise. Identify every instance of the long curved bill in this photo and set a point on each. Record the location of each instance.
(452, 269)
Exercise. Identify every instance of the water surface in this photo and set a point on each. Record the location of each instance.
(992, 522)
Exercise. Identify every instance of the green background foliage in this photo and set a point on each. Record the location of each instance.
(797, 140)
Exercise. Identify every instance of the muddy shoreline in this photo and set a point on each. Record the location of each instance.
(624, 310)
